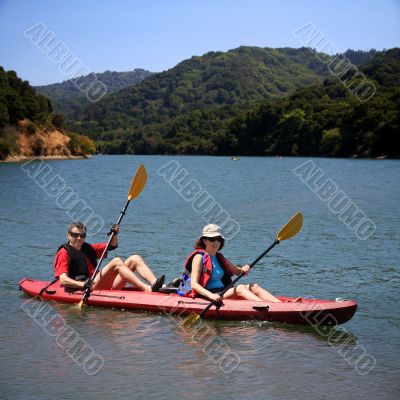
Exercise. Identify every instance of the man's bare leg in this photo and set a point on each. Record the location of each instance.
(115, 275)
(136, 263)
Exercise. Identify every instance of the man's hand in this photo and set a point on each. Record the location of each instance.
(87, 285)
(114, 229)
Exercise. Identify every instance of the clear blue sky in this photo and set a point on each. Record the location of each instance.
(121, 35)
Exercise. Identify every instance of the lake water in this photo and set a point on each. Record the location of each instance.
(150, 356)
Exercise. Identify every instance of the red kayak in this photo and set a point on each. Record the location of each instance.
(304, 312)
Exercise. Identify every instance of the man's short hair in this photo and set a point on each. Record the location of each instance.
(78, 225)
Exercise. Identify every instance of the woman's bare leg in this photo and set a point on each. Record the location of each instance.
(262, 293)
(253, 292)
(241, 291)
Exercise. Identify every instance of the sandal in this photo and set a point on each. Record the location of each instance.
(157, 285)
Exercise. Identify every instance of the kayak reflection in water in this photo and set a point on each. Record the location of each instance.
(207, 272)
(76, 260)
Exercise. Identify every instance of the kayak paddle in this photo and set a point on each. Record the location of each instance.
(137, 185)
(291, 229)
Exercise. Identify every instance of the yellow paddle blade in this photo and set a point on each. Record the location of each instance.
(190, 320)
(80, 304)
(291, 228)
(138, 182)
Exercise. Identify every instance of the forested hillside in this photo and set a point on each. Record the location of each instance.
(19, 100)
(28, 127)
(67, 97)
(250, 101)
(359, 57)
(327, 119)
(185, 109)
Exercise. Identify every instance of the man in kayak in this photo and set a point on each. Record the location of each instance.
(207, 272)
(76, 260)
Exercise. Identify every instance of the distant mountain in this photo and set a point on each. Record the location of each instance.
(68, 99)
(184, 109)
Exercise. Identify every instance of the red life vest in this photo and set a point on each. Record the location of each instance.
(206, 272)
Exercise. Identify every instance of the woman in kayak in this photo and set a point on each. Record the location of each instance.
(207, 272)
(76, 260)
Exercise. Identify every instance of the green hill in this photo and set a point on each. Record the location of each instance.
(185, 109)
(27, 127)
(328, 119)
(19, 100)
(359, 57)
(68, 99)
(254, 101)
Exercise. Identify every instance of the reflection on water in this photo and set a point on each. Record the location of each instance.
(334, 335)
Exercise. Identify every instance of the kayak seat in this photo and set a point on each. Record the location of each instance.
(168, 290)
(171, 287)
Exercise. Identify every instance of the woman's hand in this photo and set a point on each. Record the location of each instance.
(215, 297)
(245, 269)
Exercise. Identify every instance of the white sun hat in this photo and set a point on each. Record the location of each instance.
(212, 230)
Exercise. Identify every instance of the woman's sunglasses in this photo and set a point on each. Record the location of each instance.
(214, 239)
(76, 235)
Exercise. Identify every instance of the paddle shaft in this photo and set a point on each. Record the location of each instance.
(121, 215)
(240, 276)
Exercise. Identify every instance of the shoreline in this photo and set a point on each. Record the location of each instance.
(54, 157)
(19, 158)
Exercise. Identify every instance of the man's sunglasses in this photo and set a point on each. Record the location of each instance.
(76, 235)
(214, 239)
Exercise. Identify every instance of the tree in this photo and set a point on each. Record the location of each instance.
(58, 120)
(4, 117)
(331, 140)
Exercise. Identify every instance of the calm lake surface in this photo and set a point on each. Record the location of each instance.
(149, 356)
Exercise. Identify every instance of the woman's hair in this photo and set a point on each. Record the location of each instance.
(200, 243)
(78, 225)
